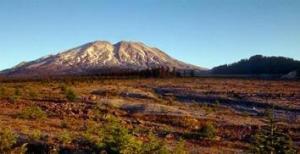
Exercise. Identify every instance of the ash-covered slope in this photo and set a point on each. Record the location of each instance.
(99, 57)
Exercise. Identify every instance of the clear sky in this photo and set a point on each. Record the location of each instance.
(202, 32)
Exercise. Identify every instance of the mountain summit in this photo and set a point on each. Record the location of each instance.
(99, 57)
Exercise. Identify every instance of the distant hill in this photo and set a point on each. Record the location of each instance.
(259, 65)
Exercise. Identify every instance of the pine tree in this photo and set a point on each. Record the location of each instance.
(272, 140)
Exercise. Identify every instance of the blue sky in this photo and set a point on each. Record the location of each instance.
(202, 32)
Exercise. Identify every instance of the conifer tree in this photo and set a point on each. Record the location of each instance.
(271, 139)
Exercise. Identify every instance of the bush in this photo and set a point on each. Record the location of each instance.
(33, 113)
(68, 92)
(65, 137)
(271, 139)
(71, 95)
(63, 88)
(118, 140)
(115, 138)
(36, 135)
(11, 96)
(93, 138)
(131, 146)
(154, 145)
(94, 134)
(180, 147)
(7, 139)
(208, 131)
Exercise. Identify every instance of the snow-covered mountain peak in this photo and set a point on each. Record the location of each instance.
(101, 56)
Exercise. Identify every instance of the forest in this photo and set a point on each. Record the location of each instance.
(258, 64)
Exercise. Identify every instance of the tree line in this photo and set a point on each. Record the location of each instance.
(259, 64)
(159, 72)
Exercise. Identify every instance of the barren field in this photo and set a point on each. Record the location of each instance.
(171, 110)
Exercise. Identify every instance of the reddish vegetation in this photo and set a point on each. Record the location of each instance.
(170, 108)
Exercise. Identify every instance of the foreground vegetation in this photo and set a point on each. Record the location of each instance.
(138, 116)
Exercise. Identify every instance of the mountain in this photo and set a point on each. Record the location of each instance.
(100, 57)
(258, 65)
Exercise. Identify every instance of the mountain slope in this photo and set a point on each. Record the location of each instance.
(99, 57)
(259, 64)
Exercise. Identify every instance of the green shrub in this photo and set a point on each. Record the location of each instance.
(65, 137)
(33, 113)
(271, 139)
(9, 94)
(71, 95)
(118, 139)
(154, 145)
(68, 92)
(7, 139)
(93, 138)
(180, 147)
(208, 131)
(131, 146)
(93, 134)
(36, 135)
(98, 112)
(113, 137)
(63, 88)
